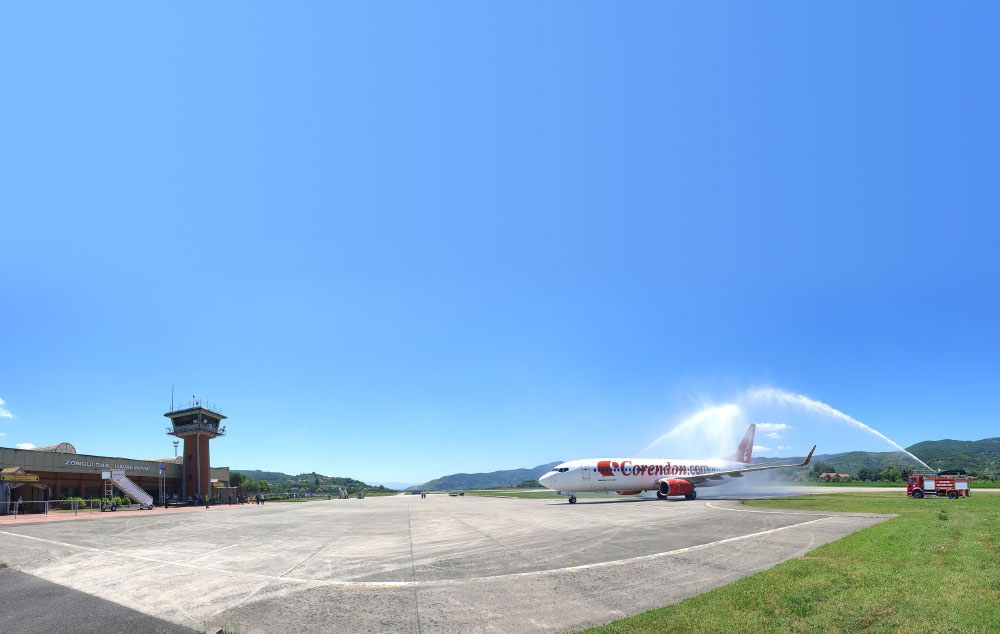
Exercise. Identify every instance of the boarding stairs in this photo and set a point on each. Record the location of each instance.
(133, 491)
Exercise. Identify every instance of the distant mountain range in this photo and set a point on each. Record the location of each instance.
(975, 456)
(979, 456)
(486, 480)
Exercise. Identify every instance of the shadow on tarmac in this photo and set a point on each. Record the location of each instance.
(678, 499)
(31, 605)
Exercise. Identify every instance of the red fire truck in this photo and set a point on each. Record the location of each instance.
(954, 484)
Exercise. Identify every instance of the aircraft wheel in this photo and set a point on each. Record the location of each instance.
(692, 495)
(572, 499)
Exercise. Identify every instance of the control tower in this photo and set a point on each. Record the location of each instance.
(196, 424)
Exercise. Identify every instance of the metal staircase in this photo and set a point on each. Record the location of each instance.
(132, 490)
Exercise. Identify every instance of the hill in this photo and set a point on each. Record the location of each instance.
(485, 480)
(853, 461)
(981, 456)
(978, 457)
(311, 481)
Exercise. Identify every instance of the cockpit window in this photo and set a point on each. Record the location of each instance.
(562, 469)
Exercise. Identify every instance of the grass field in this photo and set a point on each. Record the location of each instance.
(935, 568)
(902, 485)
(514, 493)
(854, 483)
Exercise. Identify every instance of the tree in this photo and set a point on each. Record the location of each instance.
(236, 479)
(864, 473)
(257, 486)
(820, 467)
(892, 474)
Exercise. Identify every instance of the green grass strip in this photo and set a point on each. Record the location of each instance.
(935, 568)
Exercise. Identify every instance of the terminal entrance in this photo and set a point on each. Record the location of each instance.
(16, 483)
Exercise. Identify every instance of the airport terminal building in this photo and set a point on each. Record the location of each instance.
(59, 471)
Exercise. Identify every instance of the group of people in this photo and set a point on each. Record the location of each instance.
(200, 500)
(197, 500)
(192, 501)
(242, 499)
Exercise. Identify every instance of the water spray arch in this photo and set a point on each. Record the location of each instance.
(716, 425)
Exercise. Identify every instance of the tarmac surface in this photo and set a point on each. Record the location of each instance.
(53, 602)
(402, 564)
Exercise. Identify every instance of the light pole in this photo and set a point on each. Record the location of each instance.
(163, 474)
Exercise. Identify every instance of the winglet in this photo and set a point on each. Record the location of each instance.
(808, 458)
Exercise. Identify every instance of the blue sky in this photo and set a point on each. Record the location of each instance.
(396, 240)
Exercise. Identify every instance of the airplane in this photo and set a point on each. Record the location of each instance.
(668, 477)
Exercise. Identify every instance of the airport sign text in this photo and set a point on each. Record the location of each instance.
(106, 465)
(19, 478)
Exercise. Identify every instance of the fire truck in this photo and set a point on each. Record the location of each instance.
(953, 484)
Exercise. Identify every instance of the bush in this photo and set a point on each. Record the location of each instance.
(118, 500)
(66, 504)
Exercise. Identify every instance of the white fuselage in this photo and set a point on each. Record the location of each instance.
(631, 474)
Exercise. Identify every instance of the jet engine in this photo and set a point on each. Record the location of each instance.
(674, 486)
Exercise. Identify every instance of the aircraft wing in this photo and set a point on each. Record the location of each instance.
(736, 473)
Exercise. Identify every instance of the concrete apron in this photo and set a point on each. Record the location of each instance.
(402, 564)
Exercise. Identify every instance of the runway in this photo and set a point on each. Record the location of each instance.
(403, 564)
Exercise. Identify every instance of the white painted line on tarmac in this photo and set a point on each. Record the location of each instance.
(723, 508)
(839, 514)
(406, 584)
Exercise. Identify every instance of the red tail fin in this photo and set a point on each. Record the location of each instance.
(745, 450)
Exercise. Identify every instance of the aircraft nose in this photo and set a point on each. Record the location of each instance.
(546, 480)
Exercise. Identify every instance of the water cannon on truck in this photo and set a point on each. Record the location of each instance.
(953, 484)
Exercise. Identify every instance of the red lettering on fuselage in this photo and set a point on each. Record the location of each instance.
(609, 469)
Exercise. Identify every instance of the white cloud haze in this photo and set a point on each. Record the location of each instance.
(4, 412)
(24, 445)
(773, 427)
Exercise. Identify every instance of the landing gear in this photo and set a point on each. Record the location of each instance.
(572, 499)
(692, 495)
